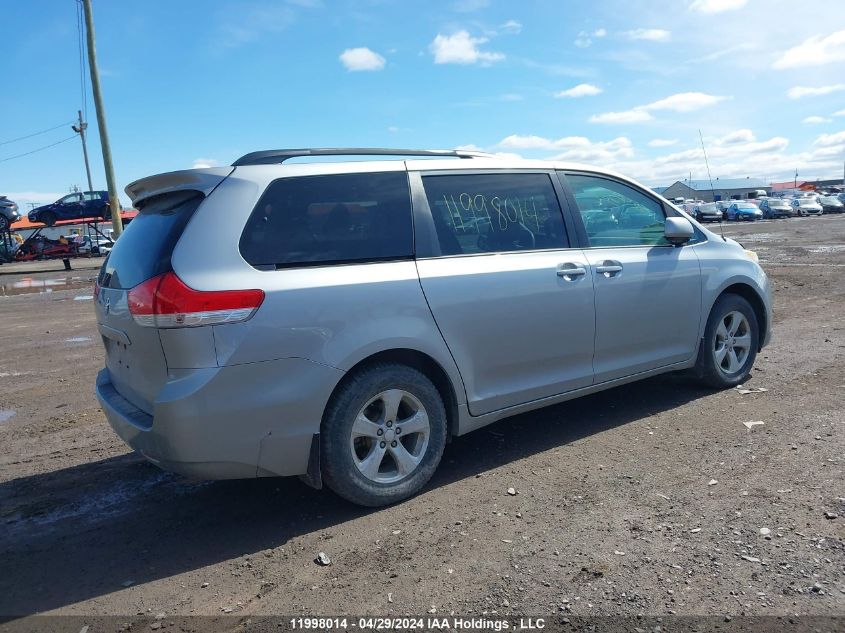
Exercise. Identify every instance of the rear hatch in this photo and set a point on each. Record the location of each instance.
(134, 354)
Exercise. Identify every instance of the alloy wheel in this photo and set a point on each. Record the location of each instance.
(733, 342)
(390, 436)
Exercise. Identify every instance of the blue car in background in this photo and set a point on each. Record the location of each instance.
(84, 204)
(744, 211)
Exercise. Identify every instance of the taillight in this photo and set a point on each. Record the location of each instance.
(166, 302)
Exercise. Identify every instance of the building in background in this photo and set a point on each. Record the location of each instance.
(722, 189)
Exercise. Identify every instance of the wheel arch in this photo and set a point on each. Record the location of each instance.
(750, 294)
(423, 363)
(405, 356)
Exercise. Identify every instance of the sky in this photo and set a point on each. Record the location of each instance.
(619, 84)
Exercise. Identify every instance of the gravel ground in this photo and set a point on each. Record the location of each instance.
(651, 498)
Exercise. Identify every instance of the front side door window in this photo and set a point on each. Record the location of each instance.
(71, 200)
(616, 214)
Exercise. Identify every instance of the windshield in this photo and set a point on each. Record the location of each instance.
(745, 205)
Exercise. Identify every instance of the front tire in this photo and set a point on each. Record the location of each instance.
(729, 347)
(382, 435)
(4, 223)
(48, 218)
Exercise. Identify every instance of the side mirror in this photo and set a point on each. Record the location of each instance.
(678, 231)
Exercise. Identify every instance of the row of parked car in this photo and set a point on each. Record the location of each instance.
(768, 208)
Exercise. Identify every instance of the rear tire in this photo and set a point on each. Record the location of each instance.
(366, 455)
(4, 223)
(728, 349)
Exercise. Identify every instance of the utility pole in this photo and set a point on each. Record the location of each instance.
(80, 129)
(114, 201)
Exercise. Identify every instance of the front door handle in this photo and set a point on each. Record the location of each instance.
(570, 271)
(609, 268)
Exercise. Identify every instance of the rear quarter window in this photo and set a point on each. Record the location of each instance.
(331, 219)
(146, 246)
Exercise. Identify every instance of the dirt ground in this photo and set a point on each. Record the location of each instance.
(651, 498)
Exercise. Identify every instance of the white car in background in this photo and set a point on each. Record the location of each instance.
(806, 206)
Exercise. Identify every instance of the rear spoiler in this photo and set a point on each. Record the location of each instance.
(204, 180)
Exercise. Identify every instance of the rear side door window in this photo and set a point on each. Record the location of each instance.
(490, 213)
(616, 214)
(330, 219)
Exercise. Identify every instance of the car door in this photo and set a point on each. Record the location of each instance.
(648, 293)
(69, 206)
(510, 294)
(90, 205)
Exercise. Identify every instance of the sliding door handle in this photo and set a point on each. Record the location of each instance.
(609, 268)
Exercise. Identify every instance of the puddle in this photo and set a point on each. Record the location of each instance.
(78, 339)
(31, 285)
(6, 415)
(84, 298)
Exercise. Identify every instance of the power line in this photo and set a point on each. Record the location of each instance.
(21, 138)
(69, 138)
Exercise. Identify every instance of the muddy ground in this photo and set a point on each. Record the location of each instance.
(616, 511)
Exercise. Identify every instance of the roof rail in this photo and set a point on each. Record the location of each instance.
(272, 156)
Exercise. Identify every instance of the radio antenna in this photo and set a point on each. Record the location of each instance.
(712, 191)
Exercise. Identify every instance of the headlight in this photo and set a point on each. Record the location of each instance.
(752, 256)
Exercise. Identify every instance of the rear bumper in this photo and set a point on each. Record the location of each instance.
(234, 422)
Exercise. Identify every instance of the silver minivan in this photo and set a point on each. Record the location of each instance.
(341, 321)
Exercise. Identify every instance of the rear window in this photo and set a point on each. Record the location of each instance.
(332, 219)
(145, 248)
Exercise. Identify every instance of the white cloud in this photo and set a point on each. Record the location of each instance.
(573, 148)
(816, 119)
(510, 96)
(798, 92)
(839, 113)
(828, 140)
(511, 26)
(814, 51)
(717, 6)
(685, 102)
(652, 35)
(662, 142)
(357, 59)
(680, 102)
(461, 48)
(627, 116)
(201, 163)
(585, 38)
(581, 90)
(736, 137)
(736, 154)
